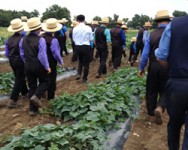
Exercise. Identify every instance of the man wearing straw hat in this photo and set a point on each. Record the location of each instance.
(53, 51)
(157, 74)
(82, 36)
(173, 53)
(16, 63)
(140, 40)
(118, 44)
(102, 40)
(33, 53)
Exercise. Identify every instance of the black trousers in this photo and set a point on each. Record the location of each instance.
(75, 53)
(139, 49)
(155, 84)
(20, 82)
(52, 77)
(38, 82)
(64, 46)
(116, 56)
(103, 56)
(177, 108)
(131, 56)
(84, 55)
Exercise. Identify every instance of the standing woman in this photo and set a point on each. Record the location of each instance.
(53, 52)
(16, 63)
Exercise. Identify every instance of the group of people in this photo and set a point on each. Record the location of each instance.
(36, 56)
(166, 86)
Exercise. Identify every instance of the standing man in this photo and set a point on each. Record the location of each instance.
(65, 37)
(53, 52)
(173, 53)
(118, 44)
(140, 40)
(82, 36)
(157, 74)
(16, 63)
(102, 42)
(33, 53)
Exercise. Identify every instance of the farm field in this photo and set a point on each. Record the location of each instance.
(144, 135)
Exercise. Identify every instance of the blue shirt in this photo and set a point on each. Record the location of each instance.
(146, 51)
(123, 38)
(163, 51)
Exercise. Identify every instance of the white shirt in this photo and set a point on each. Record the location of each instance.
(82, 34)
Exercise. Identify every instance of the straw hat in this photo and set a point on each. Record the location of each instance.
(162, 15)
(124, 27)
(51, 25)
(105, 20)
(95, 22)
(119, 22)
(74, 23)
(34, 23)
(24, 18)
(16, 25)
(133, 39)
(147, 24)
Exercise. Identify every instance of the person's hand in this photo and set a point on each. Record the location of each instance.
(49, 70)
(140, 73)
(63, 66)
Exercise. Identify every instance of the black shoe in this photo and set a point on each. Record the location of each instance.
(33, 113)
(78, 77)
(35, 101)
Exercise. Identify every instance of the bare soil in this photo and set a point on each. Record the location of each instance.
(144, 135)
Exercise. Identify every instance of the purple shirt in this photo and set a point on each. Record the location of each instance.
(42, 55)
(55, 49)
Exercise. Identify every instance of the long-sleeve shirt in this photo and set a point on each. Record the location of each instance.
(163, 51)
(42, 55)
(123, 38)
(82, 34)
(146, 51)
(55, 49)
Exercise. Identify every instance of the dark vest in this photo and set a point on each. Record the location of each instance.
(48, 38)
(115, 36)
(140, 35)
(13, 47)
(100, 38)
(178, 50)
(155, 37)
(30, 46)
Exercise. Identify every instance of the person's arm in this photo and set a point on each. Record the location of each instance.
(123, 38)
(108, 37)
(6, 49)
(21, 50)
(65, 31)
(55, 49)
(145, 36)
(163, 51)
(144, 57)
(42, 54)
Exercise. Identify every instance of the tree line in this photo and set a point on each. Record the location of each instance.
(56, 11)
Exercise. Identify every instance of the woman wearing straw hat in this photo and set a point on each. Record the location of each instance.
(53, 52)
(157, 74)
(33, 52)
(16, 63)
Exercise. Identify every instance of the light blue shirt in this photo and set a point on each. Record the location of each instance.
(163, 51)
(146, 51)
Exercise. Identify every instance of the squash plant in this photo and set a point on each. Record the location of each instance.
(93, 113)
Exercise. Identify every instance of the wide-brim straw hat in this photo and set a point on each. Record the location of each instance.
(74, 23)
(16, 25)
(162, 15)
(95, 22)
(63, 20)
(133, 39)
(124, 27)
(147, 24)
(119, 22)
(24, 18)
(51, 25)
(34, 24)
(104, 20)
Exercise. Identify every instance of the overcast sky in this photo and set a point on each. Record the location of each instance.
(102, 8)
